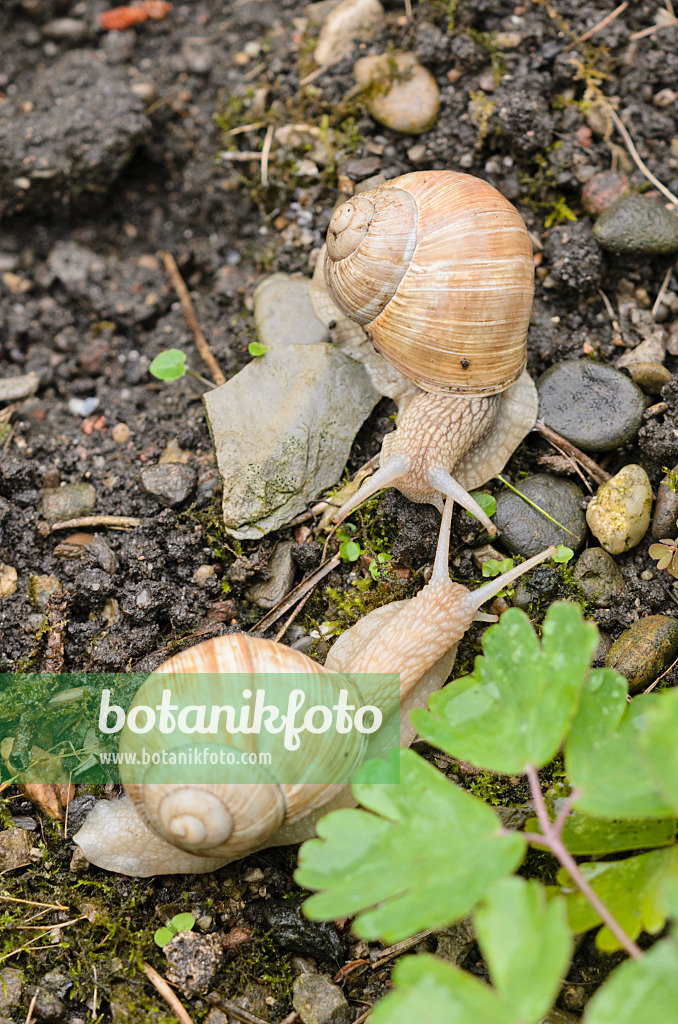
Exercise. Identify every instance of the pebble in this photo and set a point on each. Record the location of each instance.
(404, 97)
(651, 377)
(604, 189)
(294, 933)
(199, 55)
(170, 483)
(540, 587)
(283, 313)
(672, 343)
(40, 590)
(525, 531)
(13, 389)
(651, 350)
(638, 224)
(350, 21)
(11, 984)
(47, 1006)
(590, 404)
(193, 960)
(619, 514)
(8, 580)
(282, 430)
(599, 577)
(120, 433)
(318, 1001)
(15, 849)
(83, 406)
(68, 502)
(664, 525)
(281, 569)
(69, 29)
(645, 650)
(202, 574)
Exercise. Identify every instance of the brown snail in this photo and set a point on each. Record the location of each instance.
(162, 828)
(436, 267)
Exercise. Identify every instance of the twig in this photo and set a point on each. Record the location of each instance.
(290, 619)
(118, 522)
(552, 840)
(313, 75)
(167, 994)
(596, 28)
(621, 128)
(572, 463)
(265, 152)
(363, 1016)
(34, 903)
(666, 22)
(191, 319)
(617, 339)
(236, 1011)
(29, 1015)
(295, 595)
(400, 947)
(655, 410)
(660, 294)
(290, 1018)
(659, 678)
(247, 127)
(596, 471)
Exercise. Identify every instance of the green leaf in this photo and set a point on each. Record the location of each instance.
(632, 889)
(182, 922)
(169, 365)
(493, 567)
(422, 859)
(563, 554)
(585, 834)
(255, 348)
(639, 991)
(163, 936)
(603, 756)
(526, 971)
(379, 771)
(349, 551)
(658, 730)
(378, 564)
(516, 707)
(487, 502)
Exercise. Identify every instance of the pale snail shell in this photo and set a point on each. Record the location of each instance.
(437, 268)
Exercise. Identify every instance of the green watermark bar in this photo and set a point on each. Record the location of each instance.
(201, 728)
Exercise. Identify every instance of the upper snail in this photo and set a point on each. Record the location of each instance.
(437, 268)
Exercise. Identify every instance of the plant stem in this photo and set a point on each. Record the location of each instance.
(552, 840)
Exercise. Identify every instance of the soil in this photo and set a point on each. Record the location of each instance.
(85, 304)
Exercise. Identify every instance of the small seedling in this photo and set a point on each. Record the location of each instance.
(349, 550)
(170, 364)
(379, 564)
(255, 348)
(179, 923)
(493, 567)
(563, 554)
(486, 501)
(665, 553)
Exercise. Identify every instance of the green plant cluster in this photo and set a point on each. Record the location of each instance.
(422, 853)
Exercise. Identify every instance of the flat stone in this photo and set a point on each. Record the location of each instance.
(283, 313)
(638, 224)
(619, 514)
(11, 984)
(318, 1001)
(282, 431)
(401, 93)
(651, 350)
(281, 569)
(170, 483)
(71, 501)
(599, 577)
(525, 531)
(590, 404)
(645, 650)
(15, 849)
(348, 22)
(13, 389)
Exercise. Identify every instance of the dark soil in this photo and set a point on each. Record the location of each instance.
(86, 305)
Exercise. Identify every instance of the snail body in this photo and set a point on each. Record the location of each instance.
(173, 828)
(436, 267)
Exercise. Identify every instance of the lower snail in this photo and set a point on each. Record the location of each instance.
(436, 268)
(174, 829)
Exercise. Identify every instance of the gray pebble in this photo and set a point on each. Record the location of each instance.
(193, 960)
(13, 389)
(592, 405)
(599, 577)
(47, 1007)
(525, 531)
(68, 502)
(664, 523)
(170, 483)
(402, 94)
(638, 224)
(281, 569)
(645, 650)
(68, 29)
(283, 313)
(318, 1001)
(11, 983)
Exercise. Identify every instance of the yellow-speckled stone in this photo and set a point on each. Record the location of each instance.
(619, 514)
(402, 94)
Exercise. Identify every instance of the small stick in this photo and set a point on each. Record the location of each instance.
(191, 319)
(596, 28)
(573, 463)
(118, 522)
(660, 295)
(314, 74)
(400, 947)
(363, 1016)
(265, 151)
(34, 903)
(659, 678)
(29, 1015)
(655, 410)
(288, 621)
(621, 128)
(290, 1018)
(247, 127)
(166, 992)
(295, 595)
(665, 23)
(237, 1011)
(596, 471)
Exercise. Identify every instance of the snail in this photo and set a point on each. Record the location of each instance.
(162, 828)
(436, 268)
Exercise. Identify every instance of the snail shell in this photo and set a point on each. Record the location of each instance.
(437, 268)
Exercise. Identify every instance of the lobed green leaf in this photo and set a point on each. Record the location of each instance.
(640, 991)
(584, 834)
(658, 730)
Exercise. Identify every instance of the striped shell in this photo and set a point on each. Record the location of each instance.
(437, 268)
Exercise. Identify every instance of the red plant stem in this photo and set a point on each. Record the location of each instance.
(551, 839)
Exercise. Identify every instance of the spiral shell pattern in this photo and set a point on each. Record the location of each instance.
(452, 312)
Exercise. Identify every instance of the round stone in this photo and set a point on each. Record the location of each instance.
(599, 577)
(645, 650)
(619, 514)
(400, 93)
(590, 404)
(527, 531)
(651, 377)
(638, 224)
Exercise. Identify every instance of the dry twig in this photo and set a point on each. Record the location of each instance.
(265, 153)
(117, 522)
(295, 595)
(167, 994)
(191, 319)
(596, 28)
(621, 128)
(596, 471)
